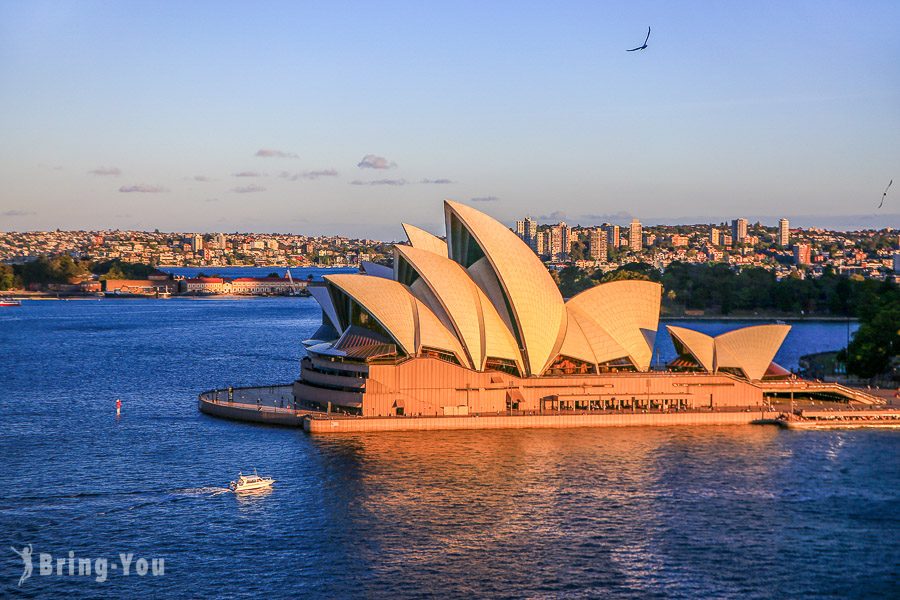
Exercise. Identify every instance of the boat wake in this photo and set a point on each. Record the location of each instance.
(200, 491)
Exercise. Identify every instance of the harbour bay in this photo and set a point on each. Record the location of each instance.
(725, 512)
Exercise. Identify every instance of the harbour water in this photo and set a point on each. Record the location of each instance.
(749, 512)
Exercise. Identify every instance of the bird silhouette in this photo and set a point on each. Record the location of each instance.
(884, 195)
(645, 43)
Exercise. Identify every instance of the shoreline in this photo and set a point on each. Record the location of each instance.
(26, 295)
(276, 405)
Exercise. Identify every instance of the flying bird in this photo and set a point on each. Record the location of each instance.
(645, 43)
(884, 195)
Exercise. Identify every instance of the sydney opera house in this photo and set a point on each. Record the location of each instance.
(476, 325)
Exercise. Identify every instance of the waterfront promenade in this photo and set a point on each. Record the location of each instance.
(274, 405)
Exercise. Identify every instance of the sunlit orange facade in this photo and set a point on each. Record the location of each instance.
(476, 324)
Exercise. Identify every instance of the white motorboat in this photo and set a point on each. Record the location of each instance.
(246, 483)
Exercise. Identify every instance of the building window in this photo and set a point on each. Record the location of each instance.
(501, 364)
(566, 365)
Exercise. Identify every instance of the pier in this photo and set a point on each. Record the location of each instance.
(275, 405)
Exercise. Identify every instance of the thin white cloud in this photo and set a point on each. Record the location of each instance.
(17, 213)
(371, 161)
(437, 181)
(379, 182)
(106, 171)
(248, 174)
(143, 189)
(201, 178)
(484, 199)
(248, 189)
(270, 153)
(308, 174)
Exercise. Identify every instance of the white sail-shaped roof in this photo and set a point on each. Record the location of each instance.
(320, 293)
(626, 311)
(421, 239)
(603, 347)
(376, 270)
(750, 349)
(406, 318)
(536, 306)
(701, 346)
(471, 314)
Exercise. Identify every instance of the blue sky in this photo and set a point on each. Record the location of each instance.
(151, 114)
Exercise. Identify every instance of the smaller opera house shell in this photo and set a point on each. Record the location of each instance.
(476, 324)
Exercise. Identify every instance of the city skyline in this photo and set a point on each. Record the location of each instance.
(315, 120)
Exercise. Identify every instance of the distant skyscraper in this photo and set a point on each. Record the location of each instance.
(220, 240)
(531, 228)
(714, 237)
(635, 236)
(197, 242)
(527, 231)
(784, 233)
(542, 242)
(739, 231)
(559, 241)
(801, 254)
(597, 244)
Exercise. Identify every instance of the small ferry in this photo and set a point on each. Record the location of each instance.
(246, 483)
(10, 302)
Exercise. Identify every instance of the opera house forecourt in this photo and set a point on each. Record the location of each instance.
(474, 333)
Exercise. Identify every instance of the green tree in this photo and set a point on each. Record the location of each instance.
(877, 341)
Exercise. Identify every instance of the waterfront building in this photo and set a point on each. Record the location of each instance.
(801, 254)
(635, 236)
(476, 324)
(784, 233)
(739, 231)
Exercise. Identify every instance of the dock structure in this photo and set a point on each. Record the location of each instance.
(275, 405)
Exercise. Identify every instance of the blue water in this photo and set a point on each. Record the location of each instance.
(733, 512)
(298, 273)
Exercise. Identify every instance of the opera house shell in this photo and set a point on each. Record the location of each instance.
(476, 324)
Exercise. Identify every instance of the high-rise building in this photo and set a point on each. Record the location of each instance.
(560, 235)
(784, 233)
(801, 254)
(715, 237)
(542, 242)
(739, 231)
(531, 228)
(220, 240)
(527, 231)
(520, 229)
(612, 236)
(635, 236)
(597, 247)
(196, 243)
